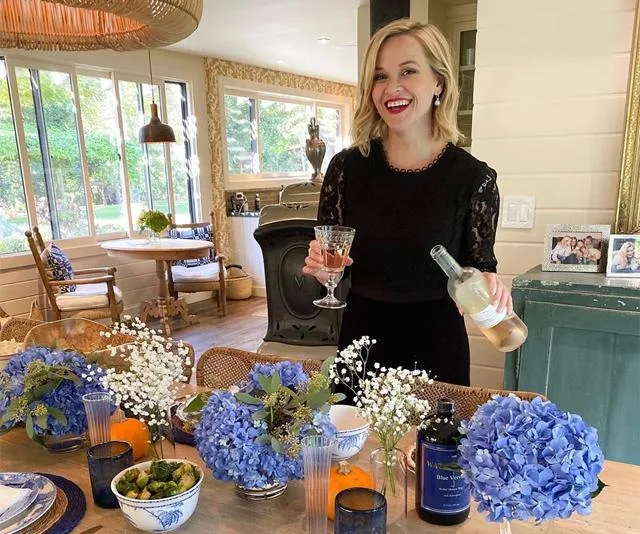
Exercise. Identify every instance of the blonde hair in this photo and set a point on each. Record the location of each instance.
(367, 123)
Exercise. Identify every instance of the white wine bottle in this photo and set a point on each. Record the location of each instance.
(468, 288)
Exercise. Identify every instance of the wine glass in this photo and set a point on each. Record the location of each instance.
(335, 243)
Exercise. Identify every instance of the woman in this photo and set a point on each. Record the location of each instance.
(561, 251)
(623, 258)
(405, 187)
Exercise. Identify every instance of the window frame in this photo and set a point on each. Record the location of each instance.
(260, 91)
(12, 61)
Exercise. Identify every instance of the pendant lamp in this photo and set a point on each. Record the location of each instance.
(94, 24)
(156, 131)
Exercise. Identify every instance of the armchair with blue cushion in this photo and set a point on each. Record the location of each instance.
(69, 293)
(202, 274)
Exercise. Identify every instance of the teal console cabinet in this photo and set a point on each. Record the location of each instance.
(583, 351)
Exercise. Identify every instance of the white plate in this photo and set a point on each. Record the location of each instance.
(44, 500)
(18, 481)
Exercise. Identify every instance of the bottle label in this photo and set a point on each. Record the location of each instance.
(488, 317)
(444, 490)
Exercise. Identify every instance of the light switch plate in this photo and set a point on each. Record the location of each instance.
(518, 212)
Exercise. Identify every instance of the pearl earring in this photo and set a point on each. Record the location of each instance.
(436, 102)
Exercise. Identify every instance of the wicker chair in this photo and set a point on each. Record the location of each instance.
(83, 335)
(96, 297)
(467, 399)
(16, 328)
(221, 367)
(209, 277)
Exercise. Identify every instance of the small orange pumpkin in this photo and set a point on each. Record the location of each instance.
(344, 476)
(134, 432)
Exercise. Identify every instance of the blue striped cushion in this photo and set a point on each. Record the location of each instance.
(60, 266)
(203, 234)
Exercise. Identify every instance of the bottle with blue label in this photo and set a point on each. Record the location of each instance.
(442, 494)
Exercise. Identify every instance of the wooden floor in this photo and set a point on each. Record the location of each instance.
(243, 327)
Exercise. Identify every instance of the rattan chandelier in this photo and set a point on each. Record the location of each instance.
(94, 24)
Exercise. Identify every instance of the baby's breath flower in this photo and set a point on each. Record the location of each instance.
(154, 365)
(386, 397)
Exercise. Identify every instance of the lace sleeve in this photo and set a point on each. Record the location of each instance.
(331, 209)
(481, 222)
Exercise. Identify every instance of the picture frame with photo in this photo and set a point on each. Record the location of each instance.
(623, 259)
(578, 248)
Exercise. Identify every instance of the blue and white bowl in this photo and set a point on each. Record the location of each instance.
(352, 431)
(159, 515)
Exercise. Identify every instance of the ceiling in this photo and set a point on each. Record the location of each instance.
(281, 34)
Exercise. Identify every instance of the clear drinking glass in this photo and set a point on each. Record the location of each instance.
(335, 243)
(98, 409)
(316, 455)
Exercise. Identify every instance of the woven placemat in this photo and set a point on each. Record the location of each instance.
(65, 513)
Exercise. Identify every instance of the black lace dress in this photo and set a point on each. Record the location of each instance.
(398, 293)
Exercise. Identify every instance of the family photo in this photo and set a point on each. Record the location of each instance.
(576, 249)
(624, 256)
(581, 248)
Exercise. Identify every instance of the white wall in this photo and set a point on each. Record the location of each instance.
(19, 281)
(549, 104)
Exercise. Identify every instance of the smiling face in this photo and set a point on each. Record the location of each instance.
(404, 85)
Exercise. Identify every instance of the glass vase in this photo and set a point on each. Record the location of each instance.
(389, 470)
(153, 237)
(525, 527)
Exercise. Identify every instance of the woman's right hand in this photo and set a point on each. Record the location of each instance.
(314, 262)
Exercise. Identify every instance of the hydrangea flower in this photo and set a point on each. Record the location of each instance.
(66, 397)
(227, 432)
(529, 460)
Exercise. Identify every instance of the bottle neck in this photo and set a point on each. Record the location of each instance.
(446, 262)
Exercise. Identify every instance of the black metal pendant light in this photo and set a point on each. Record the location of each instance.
(156, 131)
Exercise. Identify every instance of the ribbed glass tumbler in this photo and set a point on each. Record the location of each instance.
(316, 455)
(98, 409)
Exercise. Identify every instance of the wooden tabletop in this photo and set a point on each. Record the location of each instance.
(162, 249)
(221, 511)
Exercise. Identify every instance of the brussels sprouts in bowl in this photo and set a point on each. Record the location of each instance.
(158, 496)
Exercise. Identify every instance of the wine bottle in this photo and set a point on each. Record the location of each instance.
(469, 289)
(442, 494)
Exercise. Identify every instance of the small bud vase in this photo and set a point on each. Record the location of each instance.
(389, 470)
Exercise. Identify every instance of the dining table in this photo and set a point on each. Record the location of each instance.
(163, 251)
(221, 510)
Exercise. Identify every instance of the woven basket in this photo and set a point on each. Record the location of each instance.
(238, 283)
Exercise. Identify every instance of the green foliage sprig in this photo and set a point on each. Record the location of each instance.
(156, 221)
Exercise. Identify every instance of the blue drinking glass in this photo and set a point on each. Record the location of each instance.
(360, 511)
(106, 460)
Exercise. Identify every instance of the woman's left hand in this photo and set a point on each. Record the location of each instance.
(500, 294)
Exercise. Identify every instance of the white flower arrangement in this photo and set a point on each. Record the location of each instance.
(146, 389)
(386, 397)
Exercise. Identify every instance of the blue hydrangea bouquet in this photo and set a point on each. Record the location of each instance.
(529, 461)
(42, 388)
(252, 437)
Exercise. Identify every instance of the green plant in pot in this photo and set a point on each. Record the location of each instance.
(154, 222)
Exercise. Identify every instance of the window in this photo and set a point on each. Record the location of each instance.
(266, 134)
(51, 133)
(14, 218)
(83, 172)
(466, 77)
(145, 162)
(100, 127)
(184, 166)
